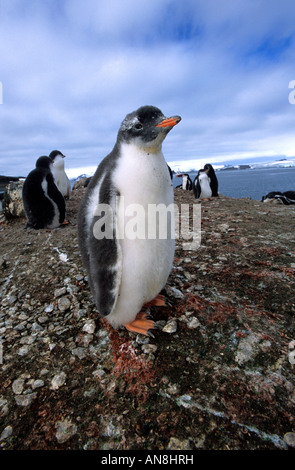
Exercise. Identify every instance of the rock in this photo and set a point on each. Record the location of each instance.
(18, 386)
(6, 433)
(37, 384)
(178, 444)
(25, 400)
(23, 351)
(12, 204)
(49, 308)
(60, 292)
(193, 322)
(170, 327)
(173, 292)
(149, 348)
(289, 438)
(245, 350)
(58, 381)
(89, 327)
(65, 430)
(64, 304)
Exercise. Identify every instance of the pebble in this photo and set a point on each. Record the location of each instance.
(37, 384)
(65, 430)
(170, 327)
(193, 322)
(25, 400)
(23, 351)
(60, 292)
(58, 381)
(18, 386)
(173, 292)
(6, 433)
(149, 348)
(49, 308)
(178, 444)
(89, 327)
(289, 438)
(63, 304)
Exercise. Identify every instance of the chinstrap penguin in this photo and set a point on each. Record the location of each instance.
(44, 204)
(187, 183)
(205, 184)
(287, 198)
(61, 178)
(126, 273)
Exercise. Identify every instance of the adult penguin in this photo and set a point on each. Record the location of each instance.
(187, 183)
(287, 198)
(213, 179)
(205, 184)
(61, 178)
(201, 185)
(126, 272)
(44, 204)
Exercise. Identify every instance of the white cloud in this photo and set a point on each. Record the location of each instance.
(72, 70)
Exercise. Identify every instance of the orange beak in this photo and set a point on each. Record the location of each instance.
(169, 122)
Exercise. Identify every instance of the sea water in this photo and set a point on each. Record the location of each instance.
(252, 183)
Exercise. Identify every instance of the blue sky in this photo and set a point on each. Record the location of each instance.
(72, 69)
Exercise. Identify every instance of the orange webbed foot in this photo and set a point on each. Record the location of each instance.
(158, 301)
(141, 324)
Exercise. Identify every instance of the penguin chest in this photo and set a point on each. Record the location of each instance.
(145, 225)
(206, 190)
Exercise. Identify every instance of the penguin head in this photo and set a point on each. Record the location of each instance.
(58, 159)
(147, 126)
(56, 153)
(209, 169)
(44, 162)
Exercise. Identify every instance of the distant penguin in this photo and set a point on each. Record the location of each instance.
(205, 184)
(61, 178)
(213, 179)
(44, 204)
(125, 273)
(201, 185)
(287, 198)
(187, 183)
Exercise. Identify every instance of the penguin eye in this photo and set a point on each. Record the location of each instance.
(138, 126)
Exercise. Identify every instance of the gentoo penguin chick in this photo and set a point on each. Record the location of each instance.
(61, 178)
(187, 184)
(44, 204)
(126, 272)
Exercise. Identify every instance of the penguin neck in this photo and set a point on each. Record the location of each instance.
(138, 148)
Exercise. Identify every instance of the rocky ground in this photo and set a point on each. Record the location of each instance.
(219, 375)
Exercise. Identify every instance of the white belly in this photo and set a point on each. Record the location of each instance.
(146, 263)
(206, 190)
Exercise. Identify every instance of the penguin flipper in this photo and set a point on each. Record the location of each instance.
(55, 194)
(104, 257)
(196, 188)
